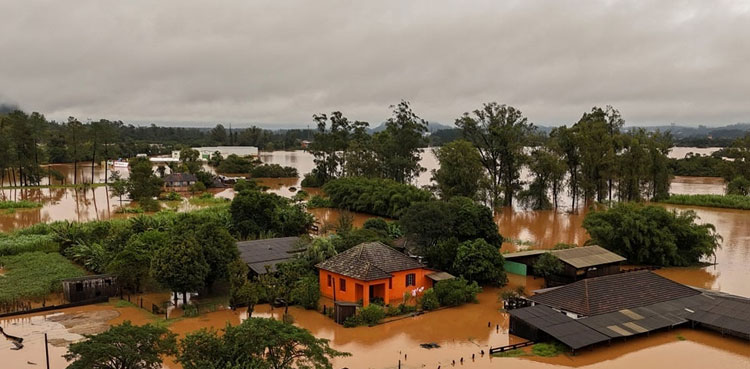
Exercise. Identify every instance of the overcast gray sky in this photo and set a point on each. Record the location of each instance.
(279, 62)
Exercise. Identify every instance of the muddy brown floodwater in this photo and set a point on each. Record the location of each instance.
(459, 331)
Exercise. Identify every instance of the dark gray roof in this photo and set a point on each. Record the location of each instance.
(259, 253)
(628, 322)
(558, 325)
(614, 292)
(730, 314)
(578, 257)
(369, 261)
(180, 177)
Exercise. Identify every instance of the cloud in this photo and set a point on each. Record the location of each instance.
(279, 62)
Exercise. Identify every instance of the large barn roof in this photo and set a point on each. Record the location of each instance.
(614, 292)
(369, 261)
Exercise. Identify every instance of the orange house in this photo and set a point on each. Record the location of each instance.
(370, 270)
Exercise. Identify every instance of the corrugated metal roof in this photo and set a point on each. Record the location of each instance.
(578, 257)
(558, 325)
(440, 276)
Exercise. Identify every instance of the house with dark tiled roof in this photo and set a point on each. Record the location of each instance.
(373, 270)
(262, 255)
(179, 180)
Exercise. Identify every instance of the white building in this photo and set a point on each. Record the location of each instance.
(207, 151)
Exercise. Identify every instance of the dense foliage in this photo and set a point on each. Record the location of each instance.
(255, 213)
(547, 265)
(697, 165)
(458, 291)
(460, 172)
(429, 222)
(481, 262)
(273, 171)
(256, 343)
(19, 243)
(383, 197)
(235, 164)
(20, 204)
(649, 234)
(123, 346)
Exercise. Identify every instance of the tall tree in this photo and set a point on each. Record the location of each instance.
(74, 130)
(143, 183)
(547, 169)
(398, 147)
(566, 142)
(219, 135)
(181, 267)
(500, 132)
(461, 172)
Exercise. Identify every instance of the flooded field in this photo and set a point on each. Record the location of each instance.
(460, 332)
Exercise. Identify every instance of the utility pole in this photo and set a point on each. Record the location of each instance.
(46, 349)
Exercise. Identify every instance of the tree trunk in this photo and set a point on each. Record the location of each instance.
(184, 299)
(106, 157)
(93, 161)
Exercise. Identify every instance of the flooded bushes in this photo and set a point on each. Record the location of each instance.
(458, 291)
(273, 171)
(318, 201)
(429, 300)
(717, 201)
(382, 197)
(648, 234)
(21, 204)
(369, 315)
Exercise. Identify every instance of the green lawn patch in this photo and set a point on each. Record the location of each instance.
(18, 244)
(548, 349)
(22, 204)
(512, 353)
(33, 275)
(715, 201)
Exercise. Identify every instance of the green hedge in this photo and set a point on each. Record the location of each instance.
(382, 197)
(716, 201)
(23, 204)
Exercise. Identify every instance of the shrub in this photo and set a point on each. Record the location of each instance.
(235, 164)
(372, 314)
(352, 321)
(273, 171)
(173, 196)
(382, 197)
(547, 265)
(458, 291)
(197, 187)
(318, 201)
(312, 179)
(739, 186)
(149, 204)
(478, 261)
(189, 310)
(376, 224)
(246, 185)
(306, 292)
(429, 300)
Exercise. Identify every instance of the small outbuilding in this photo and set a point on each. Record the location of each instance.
(179, 180)
(579, 263)
(89, 287)
(263, 255)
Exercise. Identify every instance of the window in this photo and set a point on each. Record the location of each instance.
(342, 284)
(79, 287)
(329, 280)
(411, 280)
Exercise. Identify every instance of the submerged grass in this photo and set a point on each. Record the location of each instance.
(512, 353)
(19, 243)
(21, 204)
(34, 275)
(716, 201)
(550, 349)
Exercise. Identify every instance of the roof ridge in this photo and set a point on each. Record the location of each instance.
(586, 296)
